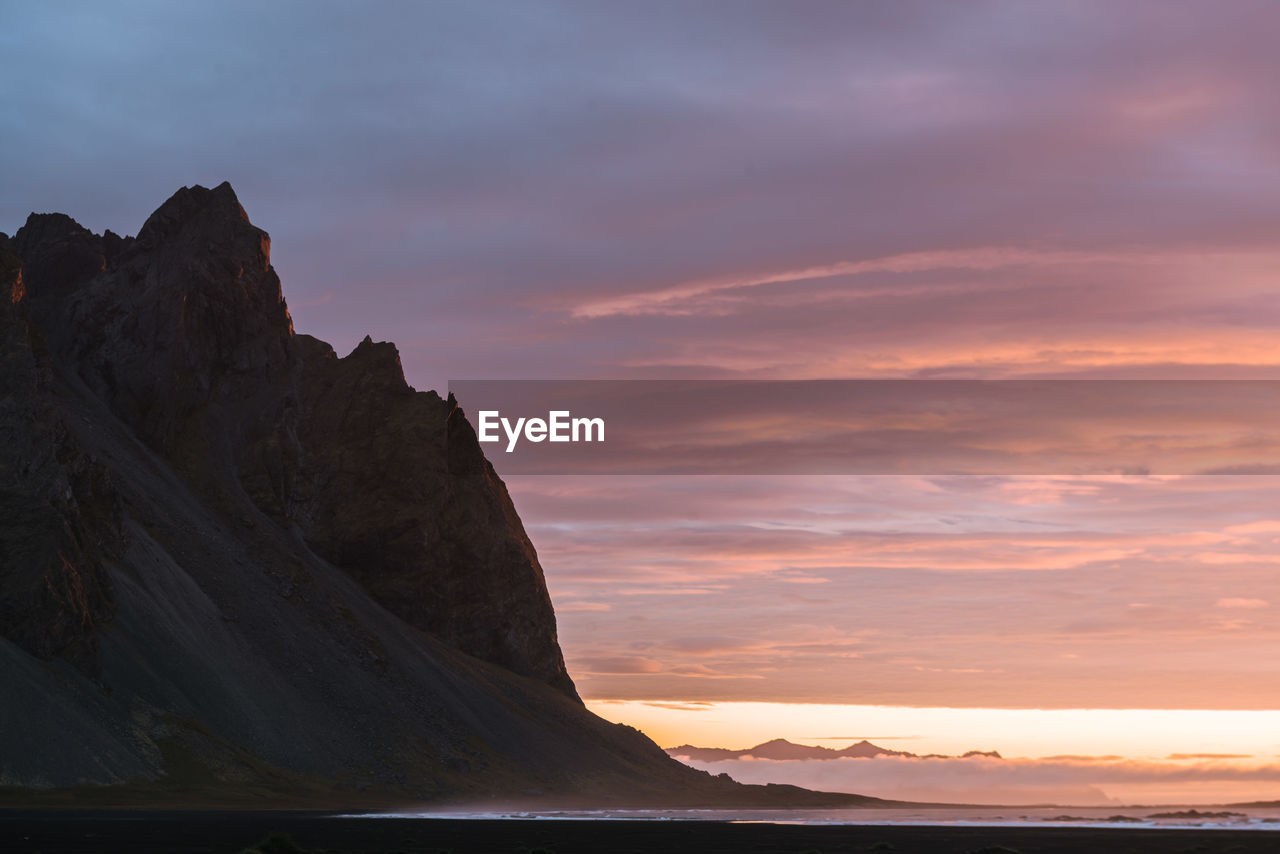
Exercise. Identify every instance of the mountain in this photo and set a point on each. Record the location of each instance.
(781, 749)
(235, 567)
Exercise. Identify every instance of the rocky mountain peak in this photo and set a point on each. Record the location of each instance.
(378, 363)
(184, 334)
(58, 253)
(197, 209)
(189, 314)
(48, 228)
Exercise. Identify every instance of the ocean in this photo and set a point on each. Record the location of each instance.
(1201, 817)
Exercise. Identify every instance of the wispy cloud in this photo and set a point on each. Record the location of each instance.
(1237, 602)
(676, 299)
(579, 607)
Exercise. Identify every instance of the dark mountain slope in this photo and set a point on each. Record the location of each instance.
(231, 562)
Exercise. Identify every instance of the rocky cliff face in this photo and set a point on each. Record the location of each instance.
(184, 333)
(442, 548)
(58, 517)
(230, 558)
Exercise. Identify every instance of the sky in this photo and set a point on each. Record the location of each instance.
(767, 191)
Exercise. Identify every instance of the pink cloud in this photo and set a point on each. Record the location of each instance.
(1039, 612)
(1241, 602)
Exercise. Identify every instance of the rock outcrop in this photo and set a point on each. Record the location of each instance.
(184, 333)
(442, 546)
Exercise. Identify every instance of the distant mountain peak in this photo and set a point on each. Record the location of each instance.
(780, 749)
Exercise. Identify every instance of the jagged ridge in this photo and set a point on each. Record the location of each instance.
(185, 335)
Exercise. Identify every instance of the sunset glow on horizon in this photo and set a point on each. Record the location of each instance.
(1244, 738)
(1076, 756)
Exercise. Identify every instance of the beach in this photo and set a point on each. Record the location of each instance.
(214, 832)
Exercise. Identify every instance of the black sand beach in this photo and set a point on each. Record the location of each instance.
(152, 832)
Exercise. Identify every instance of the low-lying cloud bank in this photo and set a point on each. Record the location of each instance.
(1081, 781)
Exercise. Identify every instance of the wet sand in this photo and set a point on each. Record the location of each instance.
(206, 832)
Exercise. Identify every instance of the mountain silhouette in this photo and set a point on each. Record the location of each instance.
(235, 567)
(781, 749)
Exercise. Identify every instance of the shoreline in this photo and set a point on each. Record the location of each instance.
(214, 832)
